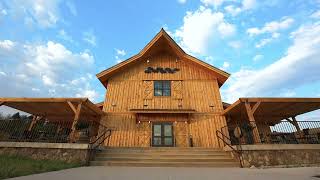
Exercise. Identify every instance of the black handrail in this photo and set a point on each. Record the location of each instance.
(106, 133)
(237, 151)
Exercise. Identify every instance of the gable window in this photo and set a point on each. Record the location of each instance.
(162, 88)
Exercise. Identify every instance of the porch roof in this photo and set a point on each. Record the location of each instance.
(272, 109)
(174, 111)
(55, 109)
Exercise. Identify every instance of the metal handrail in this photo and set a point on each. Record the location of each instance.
(237, 151)
(96, 143)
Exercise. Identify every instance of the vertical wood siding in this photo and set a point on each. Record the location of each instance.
(192, 87)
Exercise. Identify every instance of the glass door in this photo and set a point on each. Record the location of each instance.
(162, 134)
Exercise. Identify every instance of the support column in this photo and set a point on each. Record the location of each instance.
(75, 120)
(295, 123)
(250, 112)
(33, 122)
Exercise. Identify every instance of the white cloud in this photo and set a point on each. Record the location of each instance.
(288, 93)
(257, 57)
(35, 89)
(49, 67)
(182, 1)
(72, 8)
(3, 12)
(245, 6)
(214, 3)
(3, 73)
(119, 55)
(91, 94)
(315, 15)
(235, 44)
(6, 44)
(199, 27)
(231, 9)
(209, 59)
(89, 37)
(225, 65)
(120, 52)
(226, 29)
(62, 34)
(275, 79)
(272, 27)
(45, 13)
(248, 4)
(266, 41)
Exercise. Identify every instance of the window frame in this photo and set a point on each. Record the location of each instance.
(162, 86)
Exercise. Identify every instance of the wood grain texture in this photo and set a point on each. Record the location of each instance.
(192, 87)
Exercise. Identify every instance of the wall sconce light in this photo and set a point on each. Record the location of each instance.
(185, 122)
(177, 60)
(113, 104)
(149, 122)
(139, 122)
(148, 60)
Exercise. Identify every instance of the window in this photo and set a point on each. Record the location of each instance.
(162, 88)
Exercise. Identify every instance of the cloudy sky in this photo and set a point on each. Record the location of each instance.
(55, 47)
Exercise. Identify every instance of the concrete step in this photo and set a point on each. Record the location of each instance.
(164, 159)
(174, 157)
(172, 149)
(159, 155)
(164, 153)
(164, 164)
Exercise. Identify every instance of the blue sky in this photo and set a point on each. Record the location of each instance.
(54, 47)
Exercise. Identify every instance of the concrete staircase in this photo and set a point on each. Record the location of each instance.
(173, 157)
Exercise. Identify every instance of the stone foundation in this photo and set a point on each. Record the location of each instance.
(54, 151)
(281, 155)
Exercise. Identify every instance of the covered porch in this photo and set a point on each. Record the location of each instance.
(271, 121)
(57, 120)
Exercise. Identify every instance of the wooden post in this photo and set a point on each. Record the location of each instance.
(75, 121)
(295, 123)
(33, 122)
(249, 111)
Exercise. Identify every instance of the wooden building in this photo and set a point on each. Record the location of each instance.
(163, 97)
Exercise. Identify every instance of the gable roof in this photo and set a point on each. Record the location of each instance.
(103, 76)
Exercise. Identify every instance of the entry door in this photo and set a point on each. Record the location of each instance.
(162, 134)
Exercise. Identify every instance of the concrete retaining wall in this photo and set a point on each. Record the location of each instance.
(280, 155)
(53, 151)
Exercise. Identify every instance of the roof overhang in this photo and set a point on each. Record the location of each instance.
(54, 108)
(273, 109)
(103, 76)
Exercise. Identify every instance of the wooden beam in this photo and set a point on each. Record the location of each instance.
(34, 121)
(42, 99)
(252, 123)
(255, 107)
(295, 123)
(75, 122)
(72, 107)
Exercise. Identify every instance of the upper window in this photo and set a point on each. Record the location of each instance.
(162, 88)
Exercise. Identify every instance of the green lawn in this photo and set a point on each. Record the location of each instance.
(13, 166)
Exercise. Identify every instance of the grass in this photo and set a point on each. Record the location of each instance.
(14, 166)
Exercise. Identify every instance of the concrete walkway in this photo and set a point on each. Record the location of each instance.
(163, 173)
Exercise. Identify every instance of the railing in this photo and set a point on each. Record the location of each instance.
(227, 141)
(284, 132)
(103, 134)
(26, 130)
